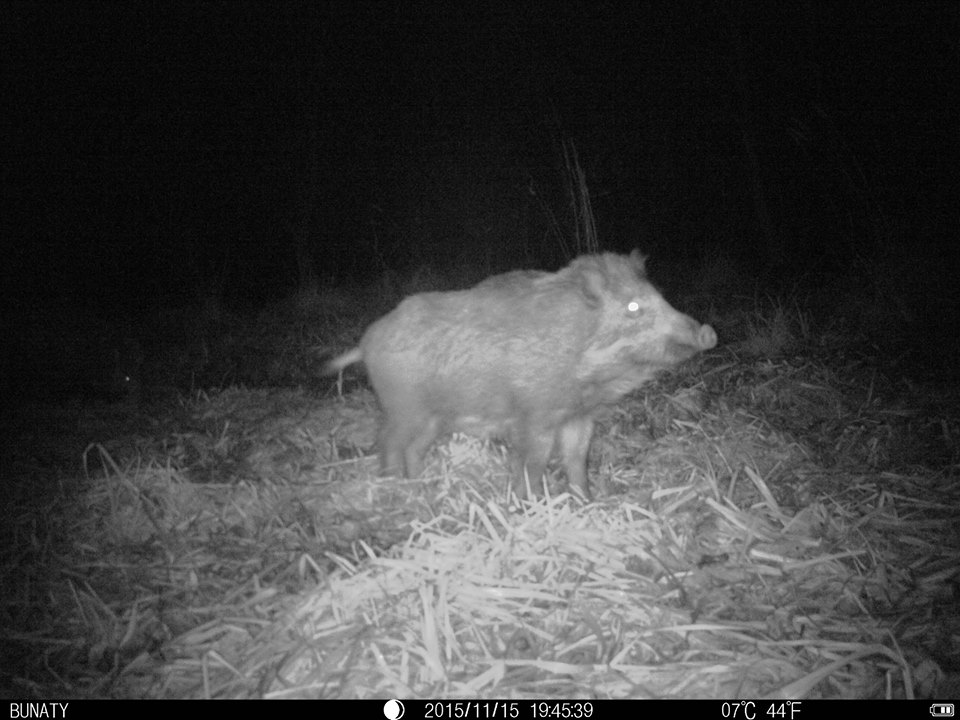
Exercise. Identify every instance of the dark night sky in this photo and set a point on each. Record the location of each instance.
(131, 126)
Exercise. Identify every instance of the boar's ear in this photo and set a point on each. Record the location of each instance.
(592, 285)
(639, 262)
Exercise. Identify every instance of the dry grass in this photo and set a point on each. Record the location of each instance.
(778, 527)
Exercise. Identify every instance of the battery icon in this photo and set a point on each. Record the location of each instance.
(942, 710)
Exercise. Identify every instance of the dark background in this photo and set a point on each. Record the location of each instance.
(159, 153)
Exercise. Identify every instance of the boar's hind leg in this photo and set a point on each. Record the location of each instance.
(392, 442)
(418, 445)
(574, 444)
(404, 440)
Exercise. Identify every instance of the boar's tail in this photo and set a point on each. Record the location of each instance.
(341, 361)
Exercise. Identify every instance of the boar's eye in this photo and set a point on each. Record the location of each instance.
(633, 308)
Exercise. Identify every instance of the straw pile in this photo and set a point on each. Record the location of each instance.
(776, 528)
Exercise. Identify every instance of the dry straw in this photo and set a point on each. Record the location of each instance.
(776, 529)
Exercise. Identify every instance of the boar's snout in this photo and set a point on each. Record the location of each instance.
(707, 337)
(688, 338)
